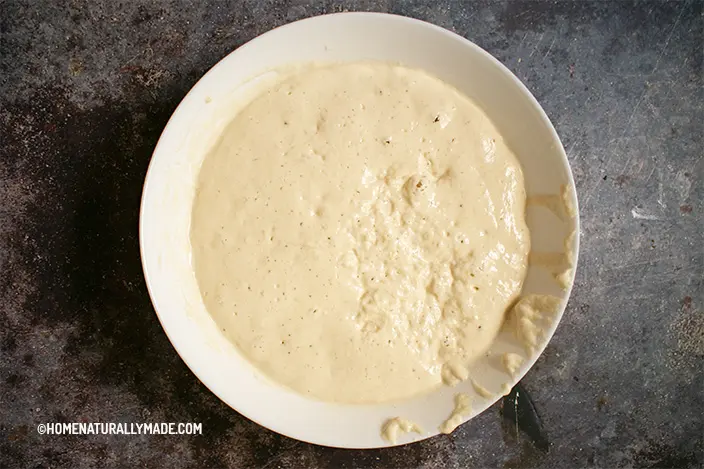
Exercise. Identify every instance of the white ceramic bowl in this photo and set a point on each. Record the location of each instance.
(196, 125)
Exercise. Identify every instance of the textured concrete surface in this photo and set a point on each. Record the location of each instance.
(87, 86)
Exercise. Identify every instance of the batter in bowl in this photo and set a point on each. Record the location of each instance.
(359, 232)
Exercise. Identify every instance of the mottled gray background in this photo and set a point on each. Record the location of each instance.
(87, 86)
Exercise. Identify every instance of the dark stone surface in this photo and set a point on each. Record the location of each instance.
(87, 86)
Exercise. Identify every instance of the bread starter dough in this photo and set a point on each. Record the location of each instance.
(530, 317)
(392, 427)
(463, 407)
(512, 362)
(357, 228)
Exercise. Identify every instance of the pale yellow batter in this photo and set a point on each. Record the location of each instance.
(357, 228)
(463, 407)
(391, 428)
(530, 318)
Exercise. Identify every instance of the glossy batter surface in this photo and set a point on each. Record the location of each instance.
(358, 229)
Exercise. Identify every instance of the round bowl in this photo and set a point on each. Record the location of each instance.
(196, 125)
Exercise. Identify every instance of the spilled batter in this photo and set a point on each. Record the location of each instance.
(358, 229)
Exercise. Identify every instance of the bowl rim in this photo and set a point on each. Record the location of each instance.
(549, 332)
